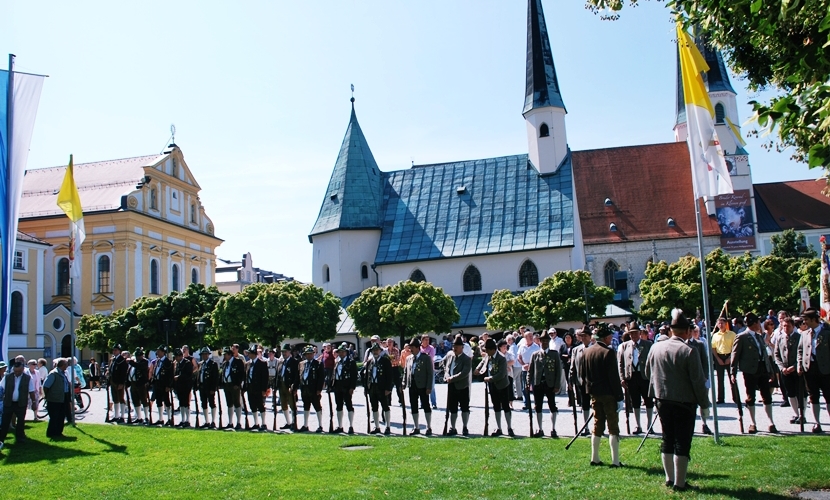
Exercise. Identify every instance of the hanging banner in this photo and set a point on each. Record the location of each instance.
(737, 226)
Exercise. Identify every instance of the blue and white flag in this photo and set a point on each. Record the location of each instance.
(18, 108)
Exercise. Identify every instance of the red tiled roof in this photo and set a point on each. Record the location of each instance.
(647, 185)
(796, 204)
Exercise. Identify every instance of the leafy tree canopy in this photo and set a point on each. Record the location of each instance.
(791, 245)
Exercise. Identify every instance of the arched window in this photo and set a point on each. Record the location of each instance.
(194, 275)
(720, 113)
(174, 170)
(528, 274)
(544, 131)
(472, 279)
(174, 274)
(154, 277)
(364, 272)
(63, 276)
(610, 270)
(326, 274)
(193, 213)
(154, 199)
(104, 274)
(16, 319)
(417, 276)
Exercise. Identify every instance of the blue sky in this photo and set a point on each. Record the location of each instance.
(259, 93)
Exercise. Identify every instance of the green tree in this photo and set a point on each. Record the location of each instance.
(268, 313)
(404, 309)
(781, 44)
(791, 245)
(510, 311)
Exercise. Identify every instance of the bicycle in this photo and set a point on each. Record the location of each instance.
(86, 401)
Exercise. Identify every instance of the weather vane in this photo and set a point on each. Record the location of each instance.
(352, 99)
(173, 133)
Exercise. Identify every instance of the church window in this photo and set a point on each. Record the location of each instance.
(175, 275)
(326, 274)
(174, 169)
(544, 131)
(19, 260)
(417, 276)
(611, 269)
(528, 274)
(104, 274)
(193, 213)
(16, 319)
(154, 199)
(364, 272)
(720, 113)
(194, 275)
(63, 276)
(472, 279)
(154, 277)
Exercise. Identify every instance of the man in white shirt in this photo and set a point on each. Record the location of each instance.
(525, 352)
(16, 400)
(556, 341)
(513, 348)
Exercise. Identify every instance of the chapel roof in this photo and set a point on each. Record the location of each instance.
(542, 87)
(798, 205)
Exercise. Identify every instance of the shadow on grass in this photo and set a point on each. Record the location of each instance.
(37, 451)
(742, 493)
(111, 447)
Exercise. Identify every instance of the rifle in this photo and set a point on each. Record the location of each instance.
(530, 416)
(582, 429)
(331, 414)
(736, 396)
(245, 409)
(172, 419)
(294, 408)
(274, 404)
(219, 402)
(649, 432)
(403, 407)
(627, 413)
(368, 417)
(446, 421)
(129, 405)
(109, 403)
(576, 431)
(486, 408)
(801, 402)
(197, 408)
(150, 413)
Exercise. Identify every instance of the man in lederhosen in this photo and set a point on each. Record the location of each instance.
(418, 377)
(183, 382)
(499, 386)
(256, 385)
(232, 374)
(581, 398)
(273, 361)
(312, 379)
(602, 382)
(544, 377)
(207, 380)
(632, 355)
(117, 382)
(378, 381)
(814, 362)
(138, 376)
(344, 381)
(786, 357)
(288, 381)
(749, 354)
(457, 368)
(162, 382)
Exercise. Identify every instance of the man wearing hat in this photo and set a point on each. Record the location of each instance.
(207, 380)
(722, 341)
(375, 339)
(256, 385)
(418, 377)
(162, 383)
(749, 354)
(19, 388)
(498, 380)
(183, 383)
(581, 398)
(137, 374)
(378, 383)
(677, 383)
(311, 387)
(272, 362)
(232, 374)
(288, 380)
(632, 355)
(814, 362)
(56, 391)
(344, 381)
(602, 383)
(457, 372)
(544, 377)
(117, 382)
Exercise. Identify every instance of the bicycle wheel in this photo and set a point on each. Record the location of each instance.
(41, 408)
(86, 400)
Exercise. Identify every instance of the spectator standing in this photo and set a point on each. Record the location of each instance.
(3, 367)
(35, 374)
(57, 390)
(525, 353)
(428, 348)
(19, 390)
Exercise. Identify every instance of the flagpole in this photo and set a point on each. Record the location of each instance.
(6, 319)
(72, 335)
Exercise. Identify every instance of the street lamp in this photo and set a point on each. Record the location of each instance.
(200, 327)
(168, 324)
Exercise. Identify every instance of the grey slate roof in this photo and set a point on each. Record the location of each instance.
(505, 206)
(542, 85)
(717, 78)
(353, 197)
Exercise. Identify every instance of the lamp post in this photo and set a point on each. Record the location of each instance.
(167, 326)
(200, 327)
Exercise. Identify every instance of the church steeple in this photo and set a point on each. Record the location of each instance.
(716, 79)
(354, 194)
(542, 88)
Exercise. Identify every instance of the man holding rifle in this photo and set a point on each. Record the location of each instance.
(288, 380)
(457, 368)
(632, 355)
(544, 377)
(602, 382)
(814, 362)
(378, 383)
(786, 357)
(749, 354)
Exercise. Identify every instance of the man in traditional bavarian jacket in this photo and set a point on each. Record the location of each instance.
(312, 379)
(631, 360)
(138, 376)
(418, 377)
(232, 374)
(162, 382)
(207, 380)
(457, 368)
(344, 381)
(379, 381)
(544, 377)
(288, 380)
(183, 382)
(256, 385)
(499, 384)
(749, 354)
(118, 382)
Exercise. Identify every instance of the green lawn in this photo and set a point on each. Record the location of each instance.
(99, 461)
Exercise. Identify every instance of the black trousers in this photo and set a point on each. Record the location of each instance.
(16, 408)
(583, 399)
(638, 390)
(722, 371)
(397, 385)
(759, 382)
(233, 396)
(57, 415)
(816, 382)
(540, 392)
(160, 395)
(256, 401)
(138, 391)
(678, 422)
(207, 397)
(415, 395)
(343, 397)
(183, 395)
(500, 398)
(378, 396)
(458, 397)
(311, 398)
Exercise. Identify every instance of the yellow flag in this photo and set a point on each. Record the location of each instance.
(68, 198)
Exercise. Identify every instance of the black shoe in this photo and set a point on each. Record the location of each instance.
(496, 433)
(303, 429)
(415, 432)
(618, 466)
(255, 428)
(238, 427)
(339, 430)
(387, 432)
(452, 432)
(785, 404)
(351, 430)
(263, 427)
(794, 420)
(511, 433)
(752, 430)
(465, 432)
(286, 427)
(720, 402)
(817, 429)
(554, 435)
(596, 464)
(212, 426)
(638, 430)
(319, 430)
(706, 430)
(428, 432)
(669, 484)
(585, 432)
(376, 430)
(539, 434)
(685, 487)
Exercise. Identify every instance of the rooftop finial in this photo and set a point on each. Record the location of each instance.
(352, 99)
